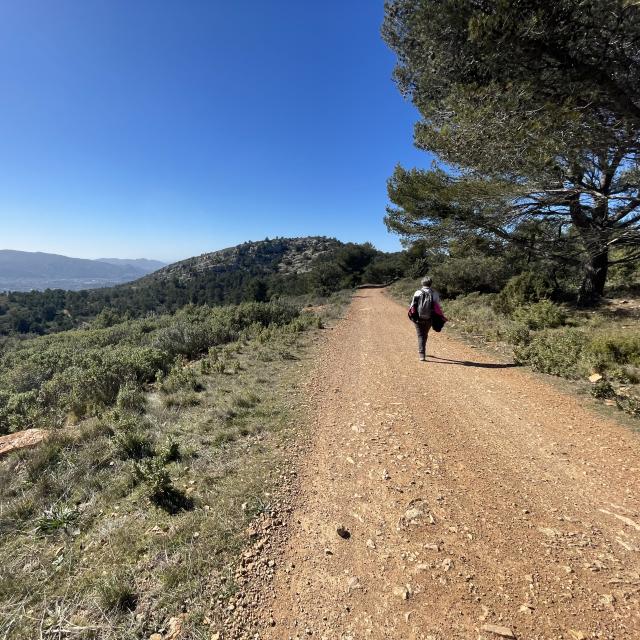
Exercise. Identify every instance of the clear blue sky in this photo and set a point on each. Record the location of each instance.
(164, 129)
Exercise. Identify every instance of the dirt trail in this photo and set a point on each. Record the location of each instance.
(480, 500)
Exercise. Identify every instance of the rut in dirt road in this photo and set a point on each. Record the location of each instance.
(480, 501)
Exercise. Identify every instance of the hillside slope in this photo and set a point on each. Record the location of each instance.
(281, 255)
(253, 271)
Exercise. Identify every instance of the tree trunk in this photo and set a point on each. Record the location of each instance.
(594, 278)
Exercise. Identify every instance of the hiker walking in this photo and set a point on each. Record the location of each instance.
(425, 312)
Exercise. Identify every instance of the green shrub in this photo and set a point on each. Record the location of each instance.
(603, 390)
(518, 335)
(56, 379)
(181, 378)
(558, 353)
(106, 318)
(625, 374)
(170, 451)
(185, 338)
(160, 489)
(629, 404)
(20, 411)
(540, 315)
(154, 474)
(462, 275)
(522, 290)
(131, 398)
(620, 348)
(92, 384)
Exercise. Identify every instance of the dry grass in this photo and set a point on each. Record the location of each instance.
(138, 515)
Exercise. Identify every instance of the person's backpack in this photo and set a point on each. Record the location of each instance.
(425, 305)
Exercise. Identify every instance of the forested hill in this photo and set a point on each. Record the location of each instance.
(250, 271)
(283, 256)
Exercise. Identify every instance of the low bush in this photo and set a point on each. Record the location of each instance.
(160, 490)
(475, 272)
(625, 374)
(181, 378)
(51, 380)
(614, 348)
(185, 338)
(18, 410)
(559, 352)
(603, 389)
(170, 451)
(131, 398)
(518, 335)
(629, 404)
(540, 315)
(523, 290)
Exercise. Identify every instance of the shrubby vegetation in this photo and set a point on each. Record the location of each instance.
(54, 380)
(182, 421)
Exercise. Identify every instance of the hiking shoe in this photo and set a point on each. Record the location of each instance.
(423, 359)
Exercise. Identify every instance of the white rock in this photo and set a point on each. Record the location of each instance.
(503, 632)
(354, 583)
(413, 514)
(404, 592)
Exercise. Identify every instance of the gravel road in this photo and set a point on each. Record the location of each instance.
(474, 499)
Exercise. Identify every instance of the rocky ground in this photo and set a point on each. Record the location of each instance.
(457, 498)
(21, 440)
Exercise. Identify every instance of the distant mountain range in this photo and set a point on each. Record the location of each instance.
(26, 271)
(252, 271)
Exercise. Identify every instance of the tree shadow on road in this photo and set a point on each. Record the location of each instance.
(468, 363)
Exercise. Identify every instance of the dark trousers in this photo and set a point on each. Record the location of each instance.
(422, 329)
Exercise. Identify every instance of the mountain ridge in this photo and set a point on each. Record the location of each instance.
(252, 271)
(39, 270)
(143, 263)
